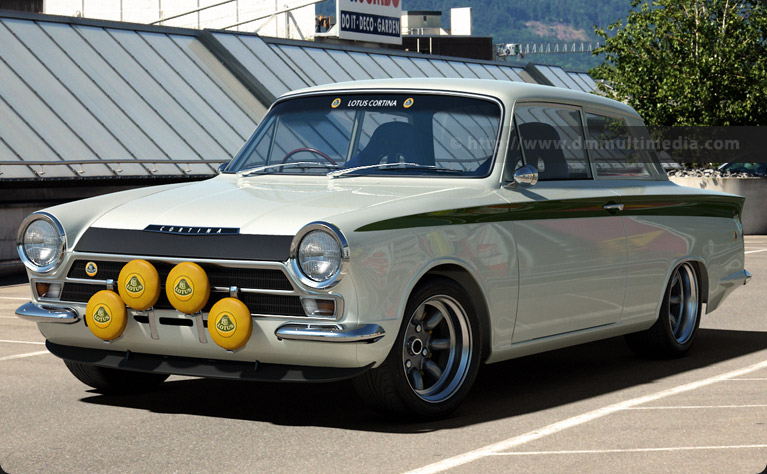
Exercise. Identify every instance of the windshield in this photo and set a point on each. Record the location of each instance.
(374, 134)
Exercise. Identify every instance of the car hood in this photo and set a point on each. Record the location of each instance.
(271, 207)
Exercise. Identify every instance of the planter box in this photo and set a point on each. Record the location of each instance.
(753, 189)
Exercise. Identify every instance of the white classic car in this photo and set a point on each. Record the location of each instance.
(400, 232)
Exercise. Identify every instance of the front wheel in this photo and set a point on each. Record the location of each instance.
(674, 332)
(114, 381)
(435, 359)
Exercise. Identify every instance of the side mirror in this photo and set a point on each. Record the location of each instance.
(222, 166)
(525, 176)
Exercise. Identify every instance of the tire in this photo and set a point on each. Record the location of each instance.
(114, 381)
(435, 358)
(674, 332)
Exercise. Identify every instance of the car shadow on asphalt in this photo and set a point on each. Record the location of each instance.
(502, 390)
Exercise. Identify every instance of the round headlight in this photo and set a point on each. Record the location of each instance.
(318, 255)
(41, 242)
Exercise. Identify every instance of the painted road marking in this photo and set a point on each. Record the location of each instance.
(630, 450)
(19, 356)
(554, 428)
(696, 407)
(21, 342)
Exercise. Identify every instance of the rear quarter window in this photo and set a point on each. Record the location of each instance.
(615, 148)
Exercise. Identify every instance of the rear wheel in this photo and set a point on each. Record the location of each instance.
(674, 332)
(435, 359)
(107, 380)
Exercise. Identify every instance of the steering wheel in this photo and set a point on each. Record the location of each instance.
(311, 150)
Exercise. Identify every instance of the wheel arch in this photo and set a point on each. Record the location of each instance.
(463, 277)
(702, 273)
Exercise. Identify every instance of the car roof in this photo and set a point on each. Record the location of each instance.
(507, 91)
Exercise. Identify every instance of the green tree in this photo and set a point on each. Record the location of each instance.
(689, 62)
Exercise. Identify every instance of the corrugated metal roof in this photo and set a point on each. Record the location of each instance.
(278, 66)
(108, 93)
(75, 91)
(312, 63)
(558, 77)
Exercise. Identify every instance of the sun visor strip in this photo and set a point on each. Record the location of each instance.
(274, 248)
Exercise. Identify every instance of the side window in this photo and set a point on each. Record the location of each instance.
(610, 145)
(551, 139)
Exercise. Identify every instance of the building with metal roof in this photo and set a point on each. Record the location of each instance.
(91, 98)
(91, 105)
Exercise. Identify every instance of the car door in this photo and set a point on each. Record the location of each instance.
(571, 244)
(622, 157)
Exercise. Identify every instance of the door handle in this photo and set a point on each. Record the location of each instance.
(613, 207)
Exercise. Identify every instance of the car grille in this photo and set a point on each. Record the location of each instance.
(256, 278)
(221, 277)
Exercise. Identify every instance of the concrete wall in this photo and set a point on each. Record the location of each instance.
(11, 216)
(753, 189)
(21, 199)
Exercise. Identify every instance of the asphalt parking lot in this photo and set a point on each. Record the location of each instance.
(594, 408)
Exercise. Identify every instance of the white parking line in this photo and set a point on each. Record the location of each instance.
(21, 342)
(696, 407)
(20, 356)
(635, 450)
(554, 428)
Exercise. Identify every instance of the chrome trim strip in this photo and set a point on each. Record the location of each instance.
(125, 258)
(47, 314)
(330, 333)
(215, 289)
(228, 289)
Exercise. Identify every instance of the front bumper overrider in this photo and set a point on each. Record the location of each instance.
(41, 313)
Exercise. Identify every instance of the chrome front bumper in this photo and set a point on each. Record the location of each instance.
(293, 331)
(330, 332)
(47, 314)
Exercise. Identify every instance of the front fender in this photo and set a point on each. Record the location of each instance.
(387, 265)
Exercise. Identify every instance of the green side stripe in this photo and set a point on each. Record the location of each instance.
(689, 206)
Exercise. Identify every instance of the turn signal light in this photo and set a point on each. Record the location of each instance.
(48, 290)
(42, 289)
(314, 307)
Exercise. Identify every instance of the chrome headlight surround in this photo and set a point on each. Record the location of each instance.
(295, 248)
(59, 247)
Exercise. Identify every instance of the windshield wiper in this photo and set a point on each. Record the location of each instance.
(392, 166)
(297, 164)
